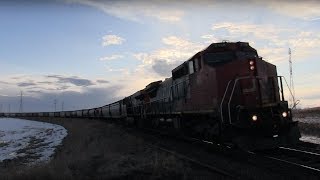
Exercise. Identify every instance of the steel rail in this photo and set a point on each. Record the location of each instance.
(293, 163)
(300, 151)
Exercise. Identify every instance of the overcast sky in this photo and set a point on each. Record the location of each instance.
(87, 53)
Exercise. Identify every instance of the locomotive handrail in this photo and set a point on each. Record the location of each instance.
(234, 86)
(248, 77)
(224, 95)
(294, 104)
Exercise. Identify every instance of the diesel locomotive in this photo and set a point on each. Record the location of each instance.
(225, 93)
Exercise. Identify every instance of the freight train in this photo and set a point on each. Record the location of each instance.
(225, 93)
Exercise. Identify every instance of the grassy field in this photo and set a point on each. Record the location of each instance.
(98, 150)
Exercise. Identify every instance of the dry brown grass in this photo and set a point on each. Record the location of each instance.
(97, 150)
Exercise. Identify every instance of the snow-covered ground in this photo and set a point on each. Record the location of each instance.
(308, 119)
(31, 141)
(310, 139)
(313, 121)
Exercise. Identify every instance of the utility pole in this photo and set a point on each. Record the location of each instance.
(55, 105)
(291, 81)
(21, 105)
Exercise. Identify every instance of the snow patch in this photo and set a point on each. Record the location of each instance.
(310, 139)
(308, 119)
(32, 140)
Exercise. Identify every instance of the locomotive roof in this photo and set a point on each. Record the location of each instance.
(225, 46)
(220, 47)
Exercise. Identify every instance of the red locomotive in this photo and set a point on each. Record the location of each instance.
(224, 93)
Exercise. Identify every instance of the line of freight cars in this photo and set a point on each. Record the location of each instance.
(114, 110)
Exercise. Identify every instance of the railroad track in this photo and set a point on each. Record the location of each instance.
(199, 163)
(294, 159)
(207, 154)
(289, 162)
(181, 154)
(306, 146)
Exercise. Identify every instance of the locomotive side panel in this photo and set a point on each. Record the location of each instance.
(203, 87)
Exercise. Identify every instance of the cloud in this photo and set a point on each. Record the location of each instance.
(272, 42)
(112, 57)
(177, 50)
(136, 10)
(112, 39)
(171, 11)
(3, 82)
(72, 100)
(45, 82)
(34, 91)
(102, 81)
(210, 38)
(306, 10)
(25, 84)
(157, 64)
(263, 31)
(39, 92)
(176, 41)
(273, 54)
(72, 80)
(163, 68)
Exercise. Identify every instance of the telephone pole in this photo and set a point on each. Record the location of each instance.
(55, 105)
(21, 105)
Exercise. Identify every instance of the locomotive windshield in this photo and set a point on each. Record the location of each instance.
(218, 58)
(246, 54)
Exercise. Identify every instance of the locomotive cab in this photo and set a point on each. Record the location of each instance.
(253, 111)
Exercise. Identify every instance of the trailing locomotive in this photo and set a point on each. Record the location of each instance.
(224, 93)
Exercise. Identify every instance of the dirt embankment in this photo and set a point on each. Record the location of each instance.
(95, 149)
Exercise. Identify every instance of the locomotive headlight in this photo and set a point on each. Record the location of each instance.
(284, 114)
(254, 118)
(252, 67)
(251, 62)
